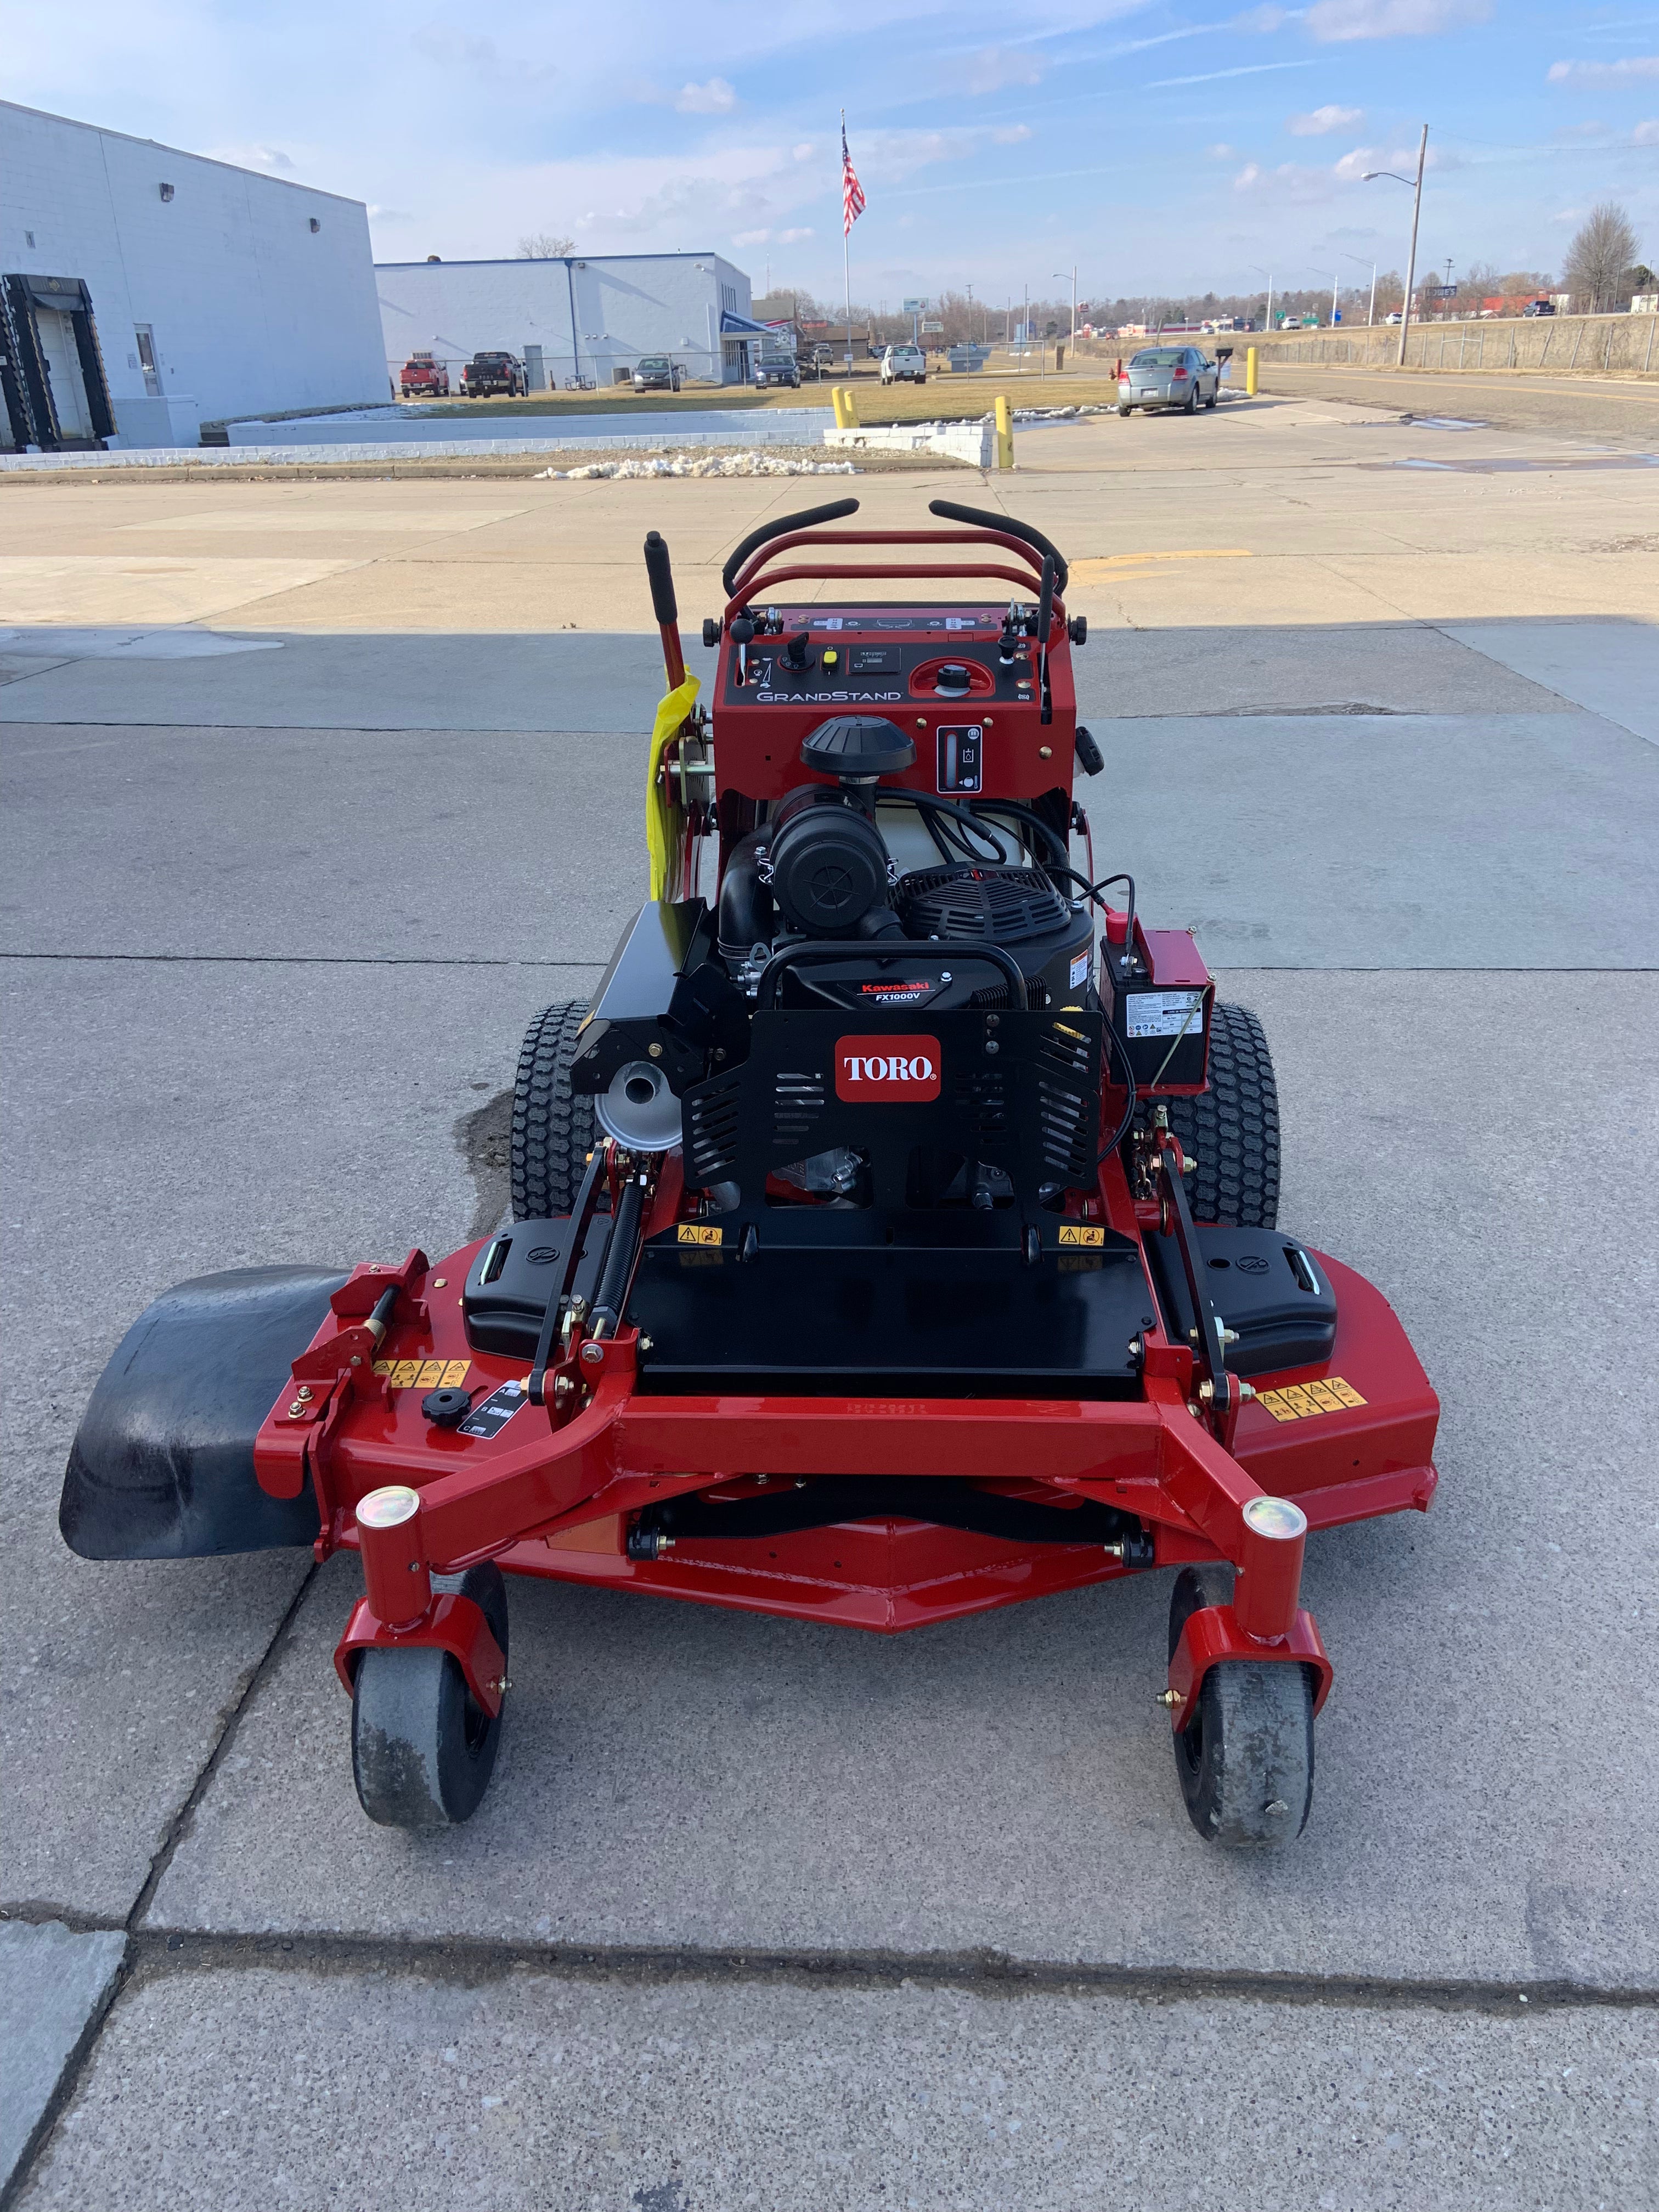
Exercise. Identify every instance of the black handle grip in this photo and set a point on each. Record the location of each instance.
(939, 949)
(663, 604)
(785, 523)
(1090, 759)
(948, 511)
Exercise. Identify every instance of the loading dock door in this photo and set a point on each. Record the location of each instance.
(52, 341)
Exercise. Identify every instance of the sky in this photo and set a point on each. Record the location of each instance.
(1157, 148)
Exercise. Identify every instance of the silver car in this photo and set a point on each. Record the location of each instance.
(1168, 376)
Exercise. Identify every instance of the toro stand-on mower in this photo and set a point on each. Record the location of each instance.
(894, 1233)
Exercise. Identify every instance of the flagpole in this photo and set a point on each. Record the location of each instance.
(846, 263)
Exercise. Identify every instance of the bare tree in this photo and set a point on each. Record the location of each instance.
(1599, 258)
(545, 246)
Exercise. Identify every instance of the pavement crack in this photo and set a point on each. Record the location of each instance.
(986, 1972)
(230, 1722)
(80, 2057)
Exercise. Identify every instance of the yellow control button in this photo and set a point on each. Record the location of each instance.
(831, 658)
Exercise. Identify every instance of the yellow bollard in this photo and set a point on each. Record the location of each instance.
(1005, 432)
(1250, 359)
(850, 402)
(836, 401)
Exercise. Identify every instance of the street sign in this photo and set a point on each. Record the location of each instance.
(1443, 292)
(915, 306)
(933, 325)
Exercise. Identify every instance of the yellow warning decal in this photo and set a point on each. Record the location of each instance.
(1080, 1232)
(424, 1374)
(699, 1232)
(1300, 1401)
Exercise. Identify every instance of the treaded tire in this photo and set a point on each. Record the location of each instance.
(1245, 1761)
(422, 1748)
(552, 1128)
(1232, 1128)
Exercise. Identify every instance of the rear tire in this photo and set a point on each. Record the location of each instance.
(422, 1748)
(1232, 1128)
(1125, 412)
(552, 1126)
(1191, 408)
(1245, 1761)
(1213, 397)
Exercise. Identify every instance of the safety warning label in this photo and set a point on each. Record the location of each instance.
(1301, 1402)
(1080, 1232)
(1164, 1014)
(700, 1232)
(424, 1374)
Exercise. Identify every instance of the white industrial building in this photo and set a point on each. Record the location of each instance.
(145, 291)
(584, 319)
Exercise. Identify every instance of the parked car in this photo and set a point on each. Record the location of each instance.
(487, 373)
(1540, 307)
(1168, 376)
(423, 378)
(776, 370)
(905, 364)
(655, 372)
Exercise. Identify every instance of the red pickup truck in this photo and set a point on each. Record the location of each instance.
(423, 377)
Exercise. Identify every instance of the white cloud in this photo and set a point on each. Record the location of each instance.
(715, 98)
(1292, 183)
(771, 237)
(1646, 134)
(271, 159)
(1336, 20)
(1261, 20)
(804, 151)
(1619, 72)
(1402, 161)
(994, 68)
(1221, 153)
(1321, 120)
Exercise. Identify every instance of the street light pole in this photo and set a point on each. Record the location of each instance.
(1371, 312)
(1268, 274)
(1417, 210)
(1059, 275)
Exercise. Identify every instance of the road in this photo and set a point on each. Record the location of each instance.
(1605, 410)
(314, 793)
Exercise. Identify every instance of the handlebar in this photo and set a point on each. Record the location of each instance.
(1006, 525)
(784, 523)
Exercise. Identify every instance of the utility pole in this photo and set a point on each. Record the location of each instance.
(1410, 264)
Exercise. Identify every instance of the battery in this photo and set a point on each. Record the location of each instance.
(1159, 1002)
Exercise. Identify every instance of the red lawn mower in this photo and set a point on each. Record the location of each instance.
(895, 1234)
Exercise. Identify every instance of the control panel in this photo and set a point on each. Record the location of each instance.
(964, 684)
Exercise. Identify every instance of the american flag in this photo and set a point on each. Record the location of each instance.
(852, 192)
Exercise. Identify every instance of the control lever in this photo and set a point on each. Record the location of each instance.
(741, 632)
(1045, 619)
(795, 655)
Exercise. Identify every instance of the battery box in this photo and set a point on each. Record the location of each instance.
(1157, 994)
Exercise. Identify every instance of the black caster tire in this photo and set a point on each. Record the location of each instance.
(1245, 1761)
(553, 1127)
(422, 1748)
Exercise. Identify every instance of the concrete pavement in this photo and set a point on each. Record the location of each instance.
(734, 1922)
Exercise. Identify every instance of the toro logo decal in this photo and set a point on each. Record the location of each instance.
(893, 1070)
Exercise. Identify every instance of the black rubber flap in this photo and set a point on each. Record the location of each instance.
(161, 1467)
(859, 746)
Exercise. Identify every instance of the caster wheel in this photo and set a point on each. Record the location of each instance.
(422, 1748)
(1245, 1760)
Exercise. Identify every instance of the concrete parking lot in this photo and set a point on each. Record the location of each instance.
(314, 793)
